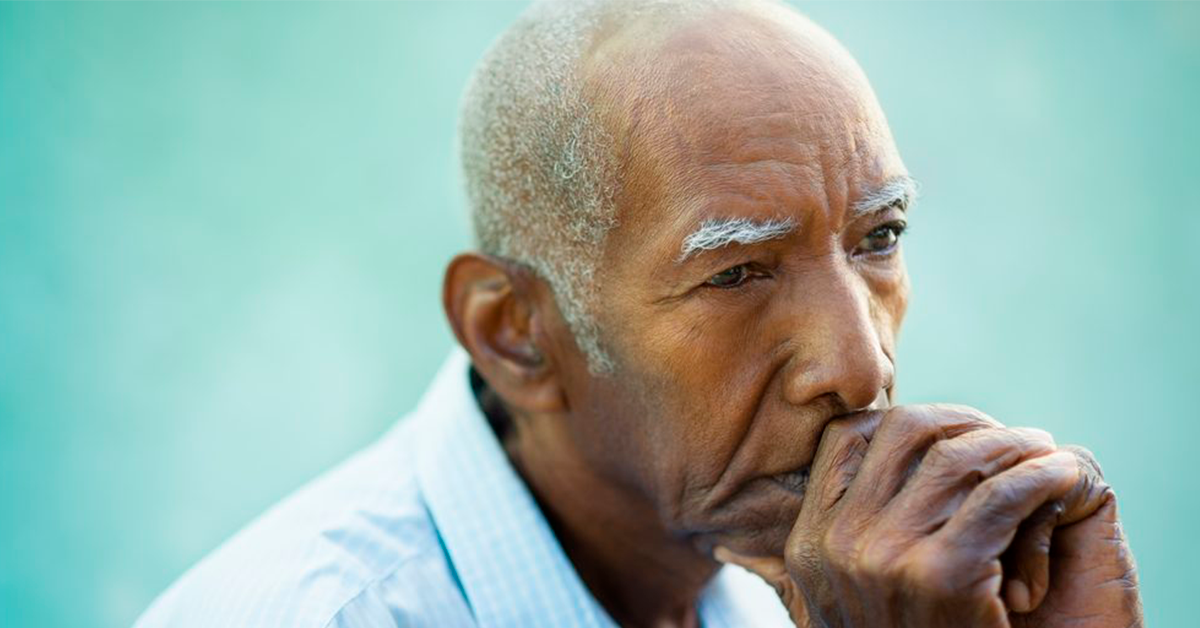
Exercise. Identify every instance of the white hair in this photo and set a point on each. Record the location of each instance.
(540, 168)
(714, 233)
(718, 232)
(900, 191)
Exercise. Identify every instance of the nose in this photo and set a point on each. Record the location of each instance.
(839, 347)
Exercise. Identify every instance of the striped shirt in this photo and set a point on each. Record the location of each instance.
(429, 526)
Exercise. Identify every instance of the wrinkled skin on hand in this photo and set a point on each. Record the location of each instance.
(1093, 580)
(939, 516)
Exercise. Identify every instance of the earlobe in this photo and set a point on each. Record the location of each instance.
(494, 315)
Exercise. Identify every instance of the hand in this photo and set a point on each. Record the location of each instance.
(939, 516)
(1092, 573)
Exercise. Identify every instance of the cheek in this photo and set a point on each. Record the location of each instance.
(900, 305)
(615, 434)
(889, 291)
(700, 379)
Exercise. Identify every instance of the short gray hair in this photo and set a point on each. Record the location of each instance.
(540, 167)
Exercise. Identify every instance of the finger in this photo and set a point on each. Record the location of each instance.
(840, 453)
(774, 572)
(1093, 555)
(954, 467)
(903, 437)
(987, 521)
(1027, 561)
(1089, 493)
(1092, 570)
(769, 568)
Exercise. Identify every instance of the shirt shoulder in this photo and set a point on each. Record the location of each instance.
(355, 547)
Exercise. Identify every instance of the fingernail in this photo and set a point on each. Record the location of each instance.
(1017, 594)
(720, 554)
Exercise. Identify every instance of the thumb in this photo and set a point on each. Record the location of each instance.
(774, 571)
(769, 568)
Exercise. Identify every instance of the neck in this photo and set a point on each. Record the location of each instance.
(641, 573)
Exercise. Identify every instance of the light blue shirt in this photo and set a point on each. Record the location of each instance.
(429, 526)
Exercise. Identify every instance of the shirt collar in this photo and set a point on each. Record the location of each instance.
(512, 569)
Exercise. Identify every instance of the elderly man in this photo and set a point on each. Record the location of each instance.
(679, 338)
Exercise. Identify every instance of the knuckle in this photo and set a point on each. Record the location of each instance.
(993, 490)
(834, 544)
(915, 417)
(997, 496)
(942, 450)
(1033, 435)
(802, 556)
(965, 415)
(945, 456)
(1087, 460)
(839, 550)
(940, 421)
(876, 560)
(916, 426)
(928, 574)
(1028, 441)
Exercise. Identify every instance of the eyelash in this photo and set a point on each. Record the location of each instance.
(750, 271)
(897, 228)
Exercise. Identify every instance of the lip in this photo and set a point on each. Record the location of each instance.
(794, 482)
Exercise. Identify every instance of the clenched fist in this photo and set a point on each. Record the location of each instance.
(930, 516)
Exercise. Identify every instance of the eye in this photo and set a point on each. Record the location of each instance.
(730, 277)
(883, 239)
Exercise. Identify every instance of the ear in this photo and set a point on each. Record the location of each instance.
(494, 307)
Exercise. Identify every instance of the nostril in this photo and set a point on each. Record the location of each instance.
(867, 392)
(834, 404)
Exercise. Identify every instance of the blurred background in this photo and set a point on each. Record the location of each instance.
(222, 230)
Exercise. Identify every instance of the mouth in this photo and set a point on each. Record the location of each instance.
(793, 481)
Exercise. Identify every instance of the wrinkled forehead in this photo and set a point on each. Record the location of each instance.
(737, 105)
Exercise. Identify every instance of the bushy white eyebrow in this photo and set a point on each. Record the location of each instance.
(718, 232)
(900, 191)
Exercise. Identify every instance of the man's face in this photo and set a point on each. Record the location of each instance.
(732, 354)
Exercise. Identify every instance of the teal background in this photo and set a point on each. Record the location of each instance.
(222, 229)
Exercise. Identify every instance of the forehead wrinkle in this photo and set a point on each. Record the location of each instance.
(900, 191)
(715, 233)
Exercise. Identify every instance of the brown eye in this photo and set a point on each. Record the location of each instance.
(730, 277)
(883, 239)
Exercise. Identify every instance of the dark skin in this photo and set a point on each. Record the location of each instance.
(752, 363)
